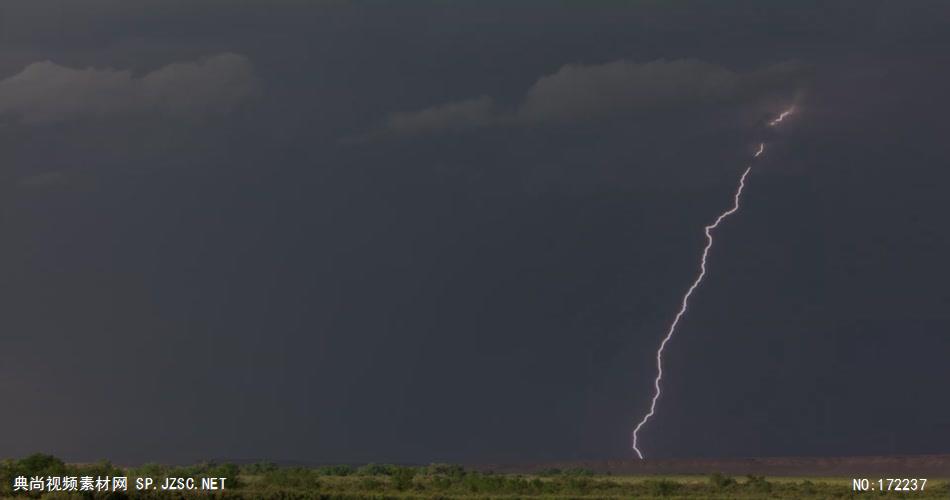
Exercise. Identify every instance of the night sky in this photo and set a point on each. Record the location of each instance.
(421, 232)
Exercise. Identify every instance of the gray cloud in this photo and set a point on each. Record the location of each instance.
(454, 115)
(590, 91)
(45, 92)
(577, 91)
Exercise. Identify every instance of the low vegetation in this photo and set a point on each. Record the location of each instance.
(265, 480)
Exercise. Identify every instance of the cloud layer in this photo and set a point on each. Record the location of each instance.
(45, 92)
(590, 91)
(454, 115)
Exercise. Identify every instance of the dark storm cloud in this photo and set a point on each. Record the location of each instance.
(578, 91)
(241, 286)
(45, 92)
(43, 180)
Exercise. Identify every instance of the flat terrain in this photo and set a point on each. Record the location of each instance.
(622, 479)
(932, 466)
(572, 485)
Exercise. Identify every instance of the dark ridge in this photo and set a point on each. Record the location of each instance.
(929, 466)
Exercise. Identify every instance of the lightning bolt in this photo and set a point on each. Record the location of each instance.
(699, 279)
(782, 116)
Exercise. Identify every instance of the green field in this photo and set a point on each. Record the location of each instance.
(434, 481)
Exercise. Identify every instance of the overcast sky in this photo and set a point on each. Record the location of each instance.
(425, 231)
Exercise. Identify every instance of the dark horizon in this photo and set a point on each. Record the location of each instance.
(415, 232)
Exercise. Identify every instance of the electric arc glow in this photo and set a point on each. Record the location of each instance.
(696, 283)
(782, 116)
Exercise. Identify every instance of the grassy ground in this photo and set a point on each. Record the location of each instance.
(440, 481)
(596, 486)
